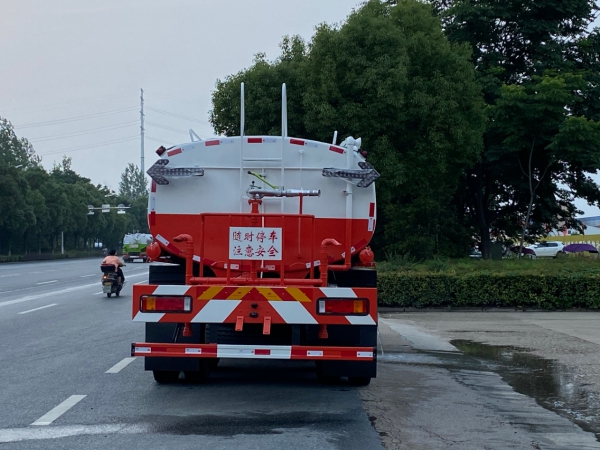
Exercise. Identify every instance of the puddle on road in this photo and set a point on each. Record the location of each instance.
(254, 424)
(552, 385)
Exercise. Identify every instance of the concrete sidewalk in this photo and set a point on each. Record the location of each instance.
(571, 338)
(429, 394)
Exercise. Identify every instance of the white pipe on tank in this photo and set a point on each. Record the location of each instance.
(242, 123)
(349, 163)
(242, 112)
(284, 119)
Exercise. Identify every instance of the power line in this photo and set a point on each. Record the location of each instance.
(100, 144)
(73, 119)
(160, 94)
(179, 116)
(160, 141)
(167, 128)
(78, 102)
(79, 133)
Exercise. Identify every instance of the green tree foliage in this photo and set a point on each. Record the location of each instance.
(37, 207)
(390, 76)
(14, 151)
(539, 70)
(133, 183)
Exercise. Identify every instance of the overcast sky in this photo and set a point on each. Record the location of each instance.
(71, 70)
(71, 59)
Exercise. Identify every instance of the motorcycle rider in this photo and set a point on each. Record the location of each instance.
(113, 259)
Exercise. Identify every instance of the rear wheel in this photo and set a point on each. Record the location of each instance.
(199, 376)
(165, 376)
(108, 294)
(359, 381)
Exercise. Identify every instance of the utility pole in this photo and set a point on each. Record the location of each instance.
(142, 131)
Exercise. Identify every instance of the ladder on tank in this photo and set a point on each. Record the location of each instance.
(246, 161)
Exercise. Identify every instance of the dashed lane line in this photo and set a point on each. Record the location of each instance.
(58, 411)
(29, 298)
(46, 282)
(120, 365)
(37, 309)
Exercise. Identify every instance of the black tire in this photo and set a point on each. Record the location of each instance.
(165, 377)
(359, 381)
(108, 294)
(117, 294)
(325, 379)
(200, 376)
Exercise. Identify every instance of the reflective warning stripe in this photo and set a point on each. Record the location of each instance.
(252, 351)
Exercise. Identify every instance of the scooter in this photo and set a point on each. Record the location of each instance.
(111, 282)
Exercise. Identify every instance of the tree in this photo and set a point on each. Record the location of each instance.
(263, 82)
(529, 44)
(133, 183)
(533, 122)
(14, 151)
(388, 75)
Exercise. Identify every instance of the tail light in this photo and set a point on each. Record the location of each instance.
(344, 306)
(165, 303)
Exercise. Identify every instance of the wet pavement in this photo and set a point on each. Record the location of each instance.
(475, 396)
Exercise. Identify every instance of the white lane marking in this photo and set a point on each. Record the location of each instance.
(120, 365)
(141, 282)
(92, 275)
(62, 291)
(99, 293)
(47, 282)
(33, 434)
(58, 411)
(37, 309)
(47, 294)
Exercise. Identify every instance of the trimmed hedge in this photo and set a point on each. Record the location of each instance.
(556, 291)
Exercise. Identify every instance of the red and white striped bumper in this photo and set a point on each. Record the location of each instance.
(281, 305)
(315, 353)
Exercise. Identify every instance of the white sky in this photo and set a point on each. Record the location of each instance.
(69, 59)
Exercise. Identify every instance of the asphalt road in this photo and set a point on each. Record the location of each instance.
(67, 382)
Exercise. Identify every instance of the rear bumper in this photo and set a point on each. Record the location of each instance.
(285, 352)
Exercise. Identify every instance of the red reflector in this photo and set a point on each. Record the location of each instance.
(296, 141)
(254, 140)
(333, 148)
(211, 143)
(177, 151)
(345, 306)
(164, 303)
(263, 352)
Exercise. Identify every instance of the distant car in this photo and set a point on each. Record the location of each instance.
(546, 249)
(476, 254)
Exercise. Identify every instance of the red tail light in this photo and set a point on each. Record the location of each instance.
(165, 303)
(344, 306)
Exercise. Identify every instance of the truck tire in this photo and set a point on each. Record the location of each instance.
(165, 376)
(199, 376)
(359, 381)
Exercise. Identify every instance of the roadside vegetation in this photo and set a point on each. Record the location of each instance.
(39, 207)
(550, 284)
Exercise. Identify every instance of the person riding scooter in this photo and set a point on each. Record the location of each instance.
(113, 259)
